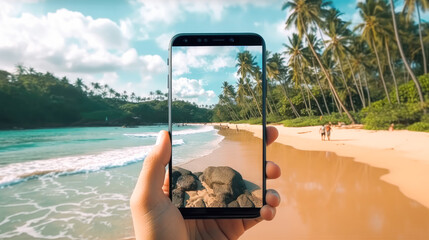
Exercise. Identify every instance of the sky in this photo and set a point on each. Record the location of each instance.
(124, 43)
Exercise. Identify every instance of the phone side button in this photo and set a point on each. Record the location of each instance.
(168, 62)
(168, 81)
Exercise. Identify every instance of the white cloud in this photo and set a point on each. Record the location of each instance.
(190, 88)
(221, 62)
(171, 11)
(163, 40)
(208, 58)
(67, 42)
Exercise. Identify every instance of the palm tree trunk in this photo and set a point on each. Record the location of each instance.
(334, 99)
(315, 99)
(309, 91)
(380, 71)
(268, 99)
(327, 76)
(367, 88)
(421, 39)
(345, 83)
(321, 89)
(234, 115)
(361, 88)
(254, 99)
(290, 102)
(401, 51)
(392, 71)
(303, 98)
(362, 99)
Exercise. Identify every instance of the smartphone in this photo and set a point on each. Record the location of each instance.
(217, 170)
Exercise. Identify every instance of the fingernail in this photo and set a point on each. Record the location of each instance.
(159, 138)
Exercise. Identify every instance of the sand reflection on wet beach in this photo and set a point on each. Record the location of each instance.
(325, 196)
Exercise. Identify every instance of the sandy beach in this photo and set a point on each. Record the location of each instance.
(360, 185)
(239, 151)
(405, 154)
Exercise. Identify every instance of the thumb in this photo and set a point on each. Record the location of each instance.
(148, 189)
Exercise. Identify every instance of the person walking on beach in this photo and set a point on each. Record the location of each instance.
(322, 132)
(328, 131)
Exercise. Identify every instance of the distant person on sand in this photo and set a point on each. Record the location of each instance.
(391, 128)
(155, 216)
(322, 132)
(328, 131)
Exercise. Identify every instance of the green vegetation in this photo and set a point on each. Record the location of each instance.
(363, 74)
(381, 114)
(32, 99)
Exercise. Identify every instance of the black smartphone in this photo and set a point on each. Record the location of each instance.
(216, 169)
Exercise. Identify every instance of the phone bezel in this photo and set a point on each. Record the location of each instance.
(215, 39)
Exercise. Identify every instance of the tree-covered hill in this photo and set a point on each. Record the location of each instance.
(31, 99)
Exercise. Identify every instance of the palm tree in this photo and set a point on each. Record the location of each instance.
(246, 65)
(385, 36)
(271, 68)
(294, 50)
(226, 96)
(96, 87)
(124, 96)
(158, 93)
(20, 69)
(112, 92)
(309, 56)
(31, 71)
(304, 14)
(401, 51)
(372, 27)
(275, 69)
(117, 95)
(337, 32)
(241, 99)
(409, 7)
(359, 55)
(79, 84)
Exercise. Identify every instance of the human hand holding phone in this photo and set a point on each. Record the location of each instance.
(155, 216)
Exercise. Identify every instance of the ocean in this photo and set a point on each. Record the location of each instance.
(75, 183)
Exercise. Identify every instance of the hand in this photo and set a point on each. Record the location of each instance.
(155, 216)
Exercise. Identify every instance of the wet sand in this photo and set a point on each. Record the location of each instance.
(405, 154)
(325, 196)
(234, 151)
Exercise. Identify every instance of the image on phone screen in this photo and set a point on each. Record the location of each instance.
(216, 164)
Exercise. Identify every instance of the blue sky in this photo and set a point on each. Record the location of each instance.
(198, 72)
(124, 43)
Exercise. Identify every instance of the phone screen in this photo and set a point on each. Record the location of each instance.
(215, 163)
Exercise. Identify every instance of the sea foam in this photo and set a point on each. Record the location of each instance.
(17, 172)
(175, 133)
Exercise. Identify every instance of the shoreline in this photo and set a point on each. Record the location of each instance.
(237, 146)
(403, 153)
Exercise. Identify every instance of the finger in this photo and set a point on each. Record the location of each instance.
(272, 170)
(166, 186)
(272, 134)
(150, 181)
(268, 212)
(272, 198)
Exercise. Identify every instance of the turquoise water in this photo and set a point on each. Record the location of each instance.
(75, 182)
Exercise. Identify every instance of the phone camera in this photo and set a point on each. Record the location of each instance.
(199, 40)
(185, 40)
(231, 40)
(205, 40)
